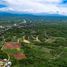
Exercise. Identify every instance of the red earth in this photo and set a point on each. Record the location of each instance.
(19, 56)
(12, 45)
(15, 45)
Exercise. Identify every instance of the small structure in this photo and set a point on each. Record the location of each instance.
(5, 63)
(2, 26)
(15, 24)
(1, 63)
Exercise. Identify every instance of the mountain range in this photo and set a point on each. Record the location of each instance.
(6, 15)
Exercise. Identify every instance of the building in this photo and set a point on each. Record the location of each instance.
(5, 63)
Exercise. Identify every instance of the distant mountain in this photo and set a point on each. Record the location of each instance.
(49, 17)
(12, 14)
(29, 14)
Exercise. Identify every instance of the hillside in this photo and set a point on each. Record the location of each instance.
(42, 45)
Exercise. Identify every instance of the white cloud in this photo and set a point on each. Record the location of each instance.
(54, 1)
(35, 6)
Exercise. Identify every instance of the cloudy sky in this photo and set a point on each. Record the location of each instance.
(34, 6)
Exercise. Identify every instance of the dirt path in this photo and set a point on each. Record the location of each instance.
(25, 41)
(57, 56)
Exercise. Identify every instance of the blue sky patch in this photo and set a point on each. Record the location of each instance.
(35, 6)
(1, 6)
(64, 1)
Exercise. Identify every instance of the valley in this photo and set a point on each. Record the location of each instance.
(34, 43)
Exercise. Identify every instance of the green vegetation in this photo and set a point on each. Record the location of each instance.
(47, 47)
(3, 55)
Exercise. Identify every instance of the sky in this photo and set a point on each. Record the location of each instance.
(34, 6)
